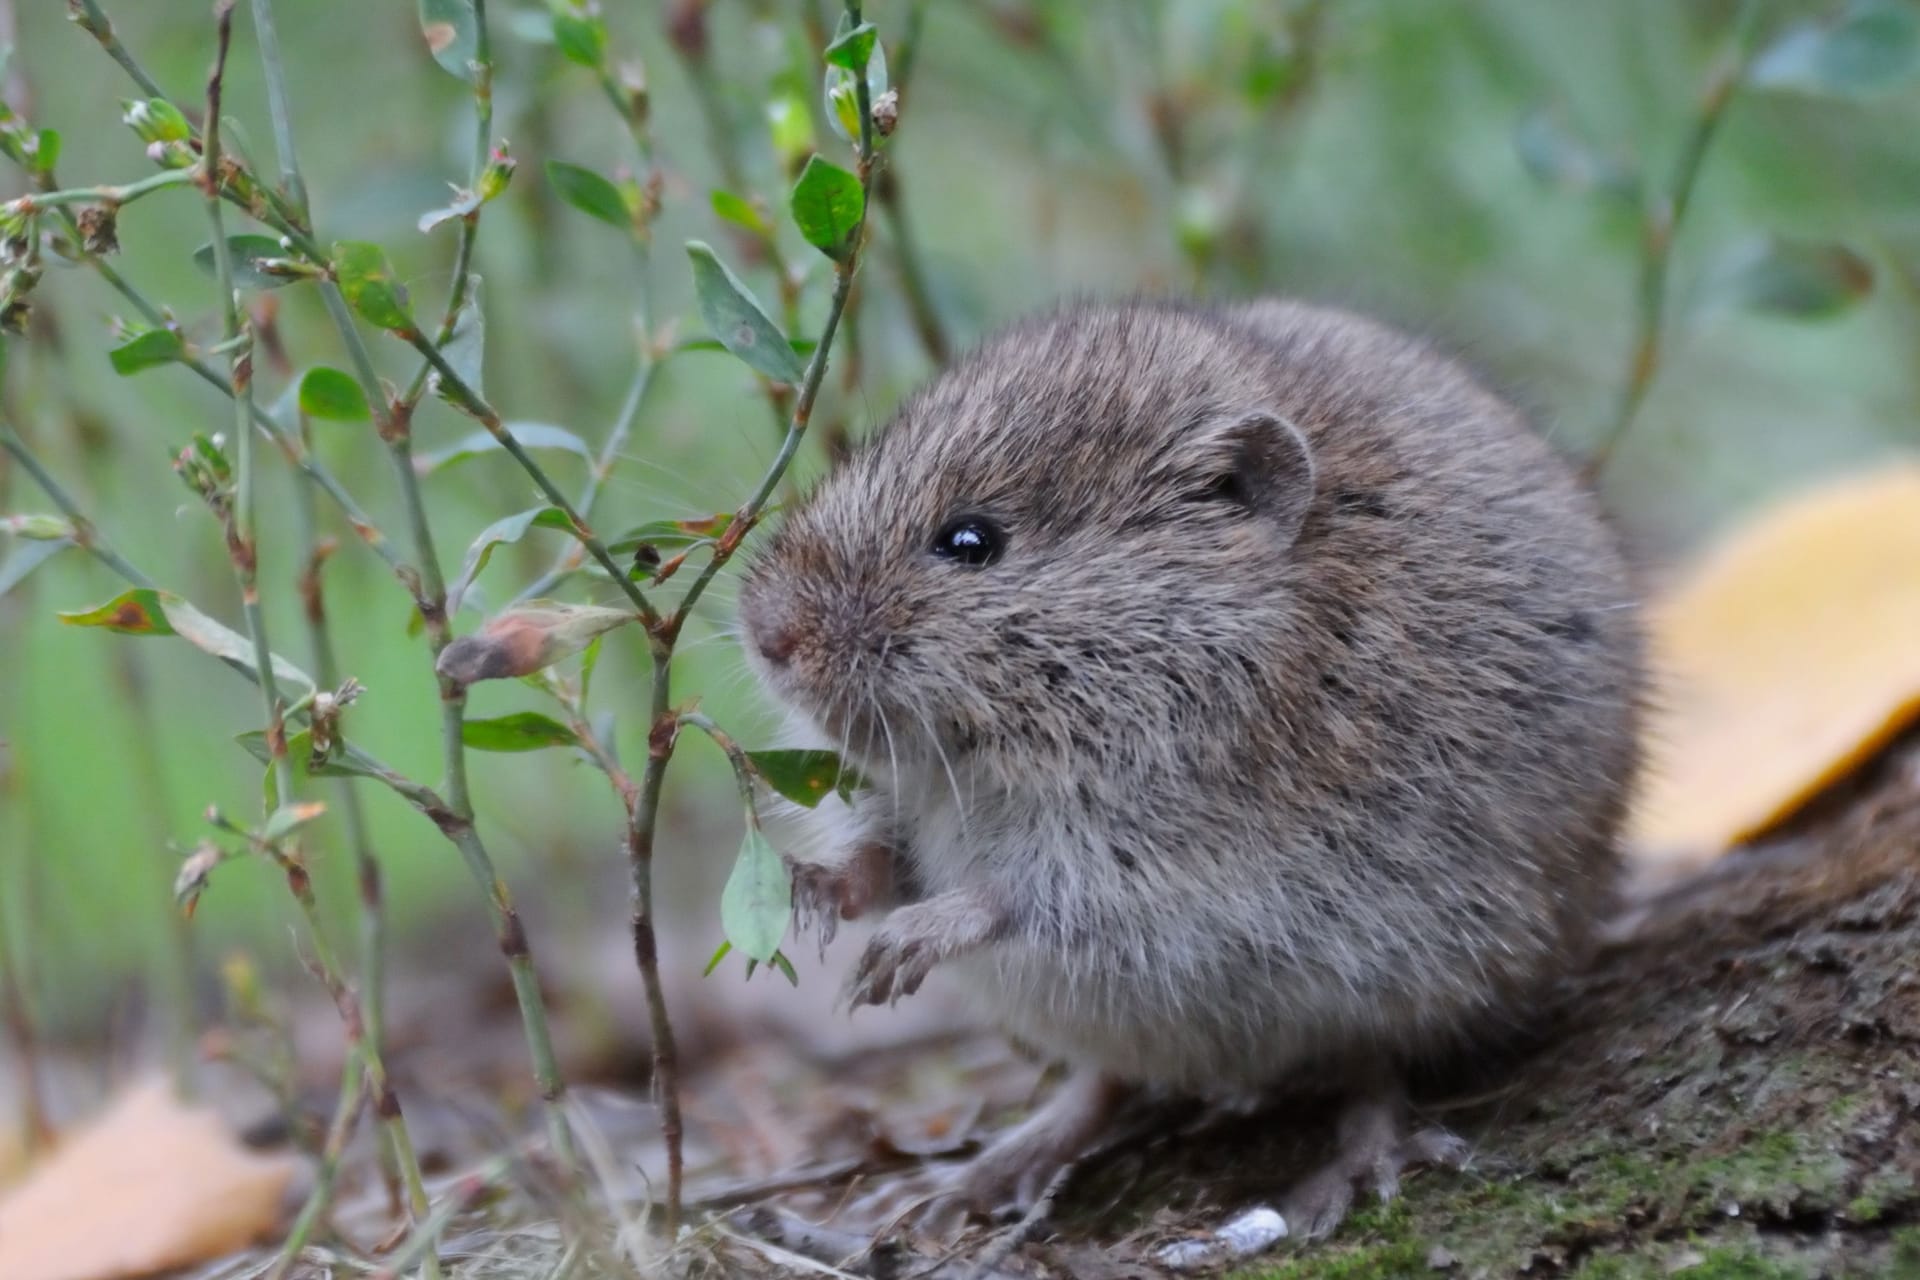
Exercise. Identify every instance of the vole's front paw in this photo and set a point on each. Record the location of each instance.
(819, 895)
(895, 963)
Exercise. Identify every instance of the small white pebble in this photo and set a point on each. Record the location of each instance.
(1257, 1229)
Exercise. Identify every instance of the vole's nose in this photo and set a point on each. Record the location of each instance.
(774, 635)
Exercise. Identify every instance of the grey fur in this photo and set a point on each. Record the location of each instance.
(1329, 775)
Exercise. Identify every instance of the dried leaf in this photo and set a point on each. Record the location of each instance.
(1787, 658)
(149, 1185)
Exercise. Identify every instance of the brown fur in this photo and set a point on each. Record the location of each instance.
(1328, 768)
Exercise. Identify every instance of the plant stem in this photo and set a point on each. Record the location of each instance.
(470, 223)
(87, 14)
(107, 195)
(643, 821)
(302, 458)
(367, 875)
(17, 1016)
(1660, 224)
(85, 535)
(278, 106)
(603, 464)
(346, 1116)
(921, 308)
(471, 1190)
(454, 815)
(474, 404)
(664, 724)
(243, 547)
(422, 798)
(242, 538)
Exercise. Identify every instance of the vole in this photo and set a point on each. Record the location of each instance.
(1249, 693)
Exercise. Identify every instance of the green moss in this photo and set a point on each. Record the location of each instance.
(1741, 1263)
(1367, 1262)
(1864, 1209)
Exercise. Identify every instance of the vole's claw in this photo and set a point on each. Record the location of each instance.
(819, 894)
(1374, 1149)
(893, 965)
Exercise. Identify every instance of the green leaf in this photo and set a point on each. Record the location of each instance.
(581, 38)
(828, 205)
(804, 777)
(588, 661)
(26, 558)
(590, 193)
(853, 49)
(718, 955)
(841, 85)
(1798, 278)
(505, 530)
(785, 966)
(521, 731)
(131, 613)
(758, 900)
(144, 612)
(366, 278)
(246, 252)
(1873, 48)
(453, 34)
(300, 756)
(531, 435)
(465, 348)
(740, 213)
(332, 395)
(736, 318)
(1560, 160)
(672, 533)
(155, 120)
(147, 349)
(46, 150)
(287, 819)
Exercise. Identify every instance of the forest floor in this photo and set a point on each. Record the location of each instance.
(1731, 1091)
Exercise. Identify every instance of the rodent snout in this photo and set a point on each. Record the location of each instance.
(773, 633)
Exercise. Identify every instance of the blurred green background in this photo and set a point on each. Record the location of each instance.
(1362, 152)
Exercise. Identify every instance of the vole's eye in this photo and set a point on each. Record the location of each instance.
(974, 541)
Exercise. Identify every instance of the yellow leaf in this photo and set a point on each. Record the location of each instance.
(1787, 657)
(147, 1186)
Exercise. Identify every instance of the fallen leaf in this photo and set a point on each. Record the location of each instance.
(1786, 658)
(148, 1185)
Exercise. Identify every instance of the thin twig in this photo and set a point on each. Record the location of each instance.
(664, 724)
(113, 196)
(914, 284)
(17, 1016)
(243, 549)
(346, 1116)
(1660, 223)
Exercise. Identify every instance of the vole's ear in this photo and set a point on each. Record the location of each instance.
(1267, 468)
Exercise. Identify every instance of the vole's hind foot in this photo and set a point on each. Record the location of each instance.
(1374, 1150)
(1019, 1168)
